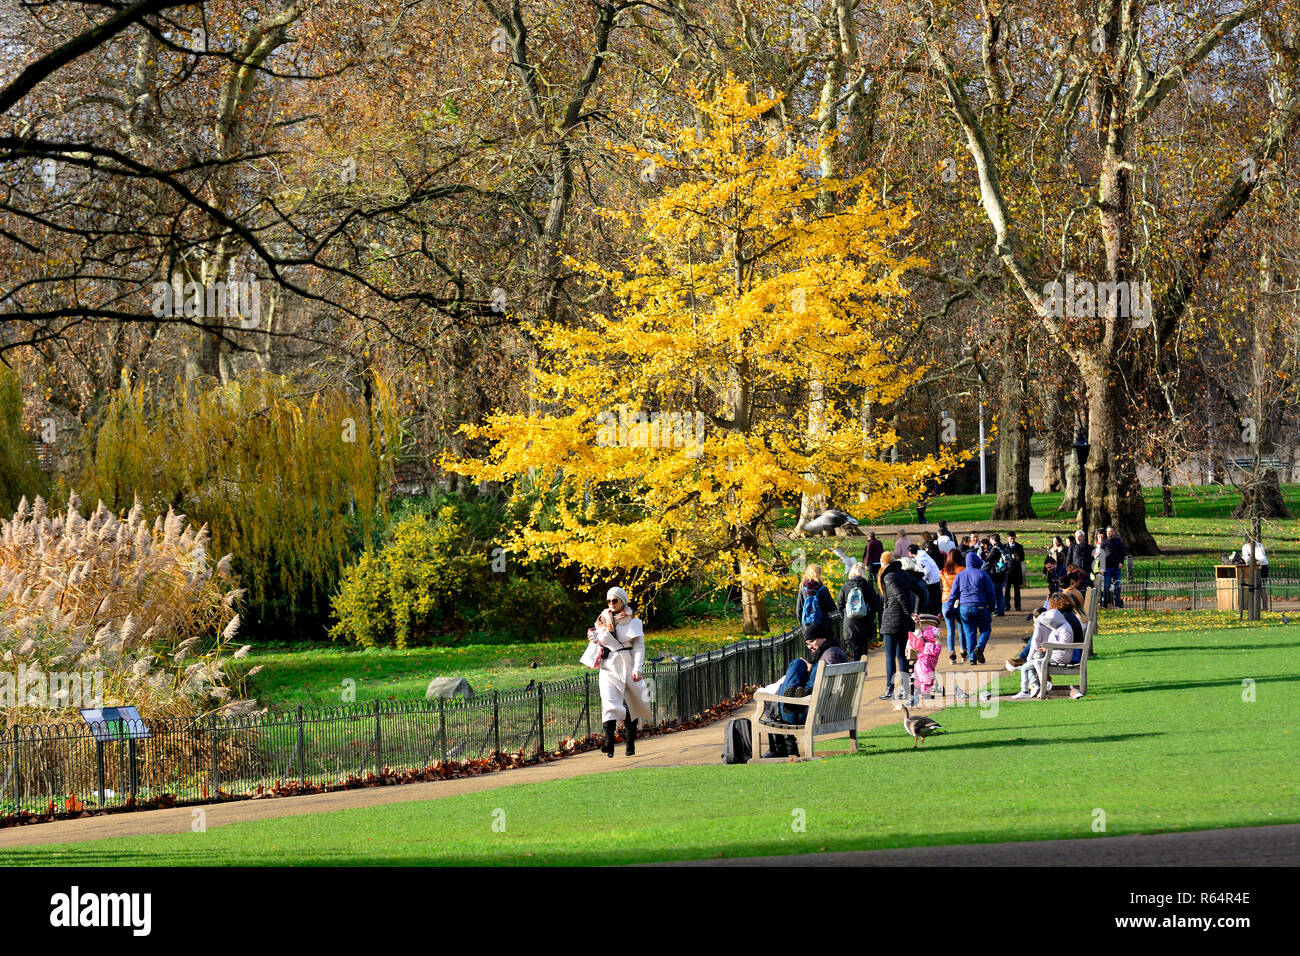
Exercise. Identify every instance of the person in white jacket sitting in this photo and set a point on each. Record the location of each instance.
(1260, 557)
(1050, 627)
(623, 693)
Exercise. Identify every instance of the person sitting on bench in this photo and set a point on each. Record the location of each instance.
(798, 681)
(1071, 611)
(1051, 627)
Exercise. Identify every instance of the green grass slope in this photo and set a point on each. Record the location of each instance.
(1181, 730)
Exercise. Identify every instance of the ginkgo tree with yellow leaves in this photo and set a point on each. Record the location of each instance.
(673, 425)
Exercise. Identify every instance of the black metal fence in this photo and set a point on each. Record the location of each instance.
(63, 767)
(1160, 586)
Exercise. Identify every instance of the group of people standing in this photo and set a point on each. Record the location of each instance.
(967, 583)
(966, 580)
(1105, 555)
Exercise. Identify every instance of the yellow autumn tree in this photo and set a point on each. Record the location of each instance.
(671, 428)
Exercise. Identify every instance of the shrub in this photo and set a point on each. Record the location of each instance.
(535, 609)
(293, 486)
(19, 475)
(483, 517)
(145, 606)
(422, 588)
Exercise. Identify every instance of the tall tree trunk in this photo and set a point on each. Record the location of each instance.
(1262, 497)
(1166, 487)
(753, 605)
(1073, 475)
(1055, 441)
(1015, 494)
(1112, 493)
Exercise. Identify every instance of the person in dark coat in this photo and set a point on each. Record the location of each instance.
(1113, 553)
(1080, 553)
(871, 553)
(1015, 551)
(901, 592)
(800, 677)
(998, 567)
(858, 632)
(973, 596)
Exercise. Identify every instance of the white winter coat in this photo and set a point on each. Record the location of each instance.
(626, 655)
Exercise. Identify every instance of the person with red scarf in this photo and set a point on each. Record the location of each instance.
(623, 693)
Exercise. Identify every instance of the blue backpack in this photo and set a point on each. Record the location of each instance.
(812, 609)
(856, 605)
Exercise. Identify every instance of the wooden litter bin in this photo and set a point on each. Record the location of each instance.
(1228, 579)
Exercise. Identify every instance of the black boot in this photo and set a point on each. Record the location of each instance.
(791, 746)
(630, 729)
(775, 746)
(610, 726)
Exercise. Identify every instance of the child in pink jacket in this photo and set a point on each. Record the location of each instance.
(926, 659)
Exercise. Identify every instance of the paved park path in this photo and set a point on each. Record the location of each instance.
(687, 748)
(1231, 846)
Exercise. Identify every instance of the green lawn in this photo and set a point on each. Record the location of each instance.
(1195, 501)
(314, 674)
(1164, 741)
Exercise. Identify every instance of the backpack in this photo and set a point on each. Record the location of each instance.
(738, 741)
(1000, 566)
(812, 609)
(856, 606)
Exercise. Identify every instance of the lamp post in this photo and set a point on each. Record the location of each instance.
(1081, 447)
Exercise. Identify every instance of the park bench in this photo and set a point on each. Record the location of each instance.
(832, 709)
(1091, 609)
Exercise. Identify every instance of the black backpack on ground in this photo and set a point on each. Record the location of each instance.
(738, 741)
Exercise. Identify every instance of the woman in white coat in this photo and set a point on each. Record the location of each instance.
(623, 693)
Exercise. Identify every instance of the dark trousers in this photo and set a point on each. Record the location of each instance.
(896, 654)
(934, 599)
(796, 675)
(1012, 582)
(858, 633)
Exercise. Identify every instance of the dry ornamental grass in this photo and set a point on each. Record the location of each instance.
(142, 605)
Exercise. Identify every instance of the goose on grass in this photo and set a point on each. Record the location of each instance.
(919, 727)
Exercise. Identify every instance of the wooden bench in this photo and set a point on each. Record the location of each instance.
(1091, 610)
(832, 709)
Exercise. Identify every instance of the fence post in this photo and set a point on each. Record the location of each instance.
(99, 766)
(17, 772)
(379, 743)
(586, 698)
(212, 744)
(541, 742)
(442, 727)
(496, 720)
(300, 754)
(130, 773)
(681, 716)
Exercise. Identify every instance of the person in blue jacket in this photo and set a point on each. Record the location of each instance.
(975, 597)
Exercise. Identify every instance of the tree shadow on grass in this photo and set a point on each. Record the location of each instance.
(939, 741)
(1190, 685)
(972, 839)
(1116, 651)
